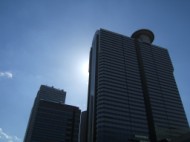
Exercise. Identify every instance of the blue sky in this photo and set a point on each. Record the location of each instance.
(48, 42)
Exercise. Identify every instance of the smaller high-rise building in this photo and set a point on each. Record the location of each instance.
(51, 120)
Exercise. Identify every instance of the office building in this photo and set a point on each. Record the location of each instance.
(51, 120)
(132, 93)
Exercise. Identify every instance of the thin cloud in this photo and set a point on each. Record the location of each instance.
(6, 74)
(4, 137)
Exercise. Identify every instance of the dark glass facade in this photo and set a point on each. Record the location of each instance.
(51, 120)
(132, 91)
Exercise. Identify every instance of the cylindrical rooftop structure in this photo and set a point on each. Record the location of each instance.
(143, 35)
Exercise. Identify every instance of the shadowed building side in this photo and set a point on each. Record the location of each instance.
(166, 116)
(83, 127)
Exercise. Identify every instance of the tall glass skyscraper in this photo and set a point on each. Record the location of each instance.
(51, 120)
(132, 92)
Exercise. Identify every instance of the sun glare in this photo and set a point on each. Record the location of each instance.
(84, 69)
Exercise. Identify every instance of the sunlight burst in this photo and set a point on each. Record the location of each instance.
(84, 69)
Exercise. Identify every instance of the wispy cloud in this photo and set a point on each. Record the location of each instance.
(4, 137)
(6, 74)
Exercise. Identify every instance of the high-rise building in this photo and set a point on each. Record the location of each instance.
(51, 120)
(132, 93)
